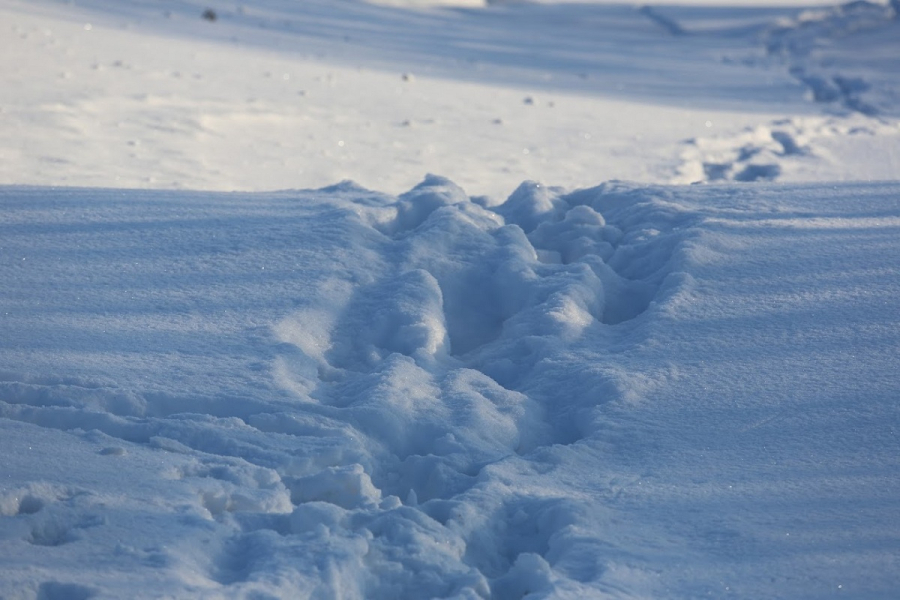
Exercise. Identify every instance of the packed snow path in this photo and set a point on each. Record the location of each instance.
(618, 392)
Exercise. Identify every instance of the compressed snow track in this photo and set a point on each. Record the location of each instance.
(617, 392)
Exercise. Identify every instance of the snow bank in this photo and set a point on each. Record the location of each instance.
(621, 391)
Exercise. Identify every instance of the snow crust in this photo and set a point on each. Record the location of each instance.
(505, 380)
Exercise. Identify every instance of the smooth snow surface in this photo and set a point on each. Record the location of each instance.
(278, 94)
(383, 384)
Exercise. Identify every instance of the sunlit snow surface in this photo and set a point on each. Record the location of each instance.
(467, 387)
(278, 94)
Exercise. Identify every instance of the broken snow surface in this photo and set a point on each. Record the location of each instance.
(455, 385)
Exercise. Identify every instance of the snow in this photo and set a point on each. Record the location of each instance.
(276, 95)
(250, 348)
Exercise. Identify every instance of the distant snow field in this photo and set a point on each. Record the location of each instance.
(344, 299)
(274, 96)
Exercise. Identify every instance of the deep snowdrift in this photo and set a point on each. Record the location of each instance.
(617, 392)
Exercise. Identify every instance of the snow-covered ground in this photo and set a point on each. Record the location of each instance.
(276, 94)
(227, 373)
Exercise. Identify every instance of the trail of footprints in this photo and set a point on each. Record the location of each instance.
(851, 105)
(756, 154)
(413, 391)
(420, 362)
